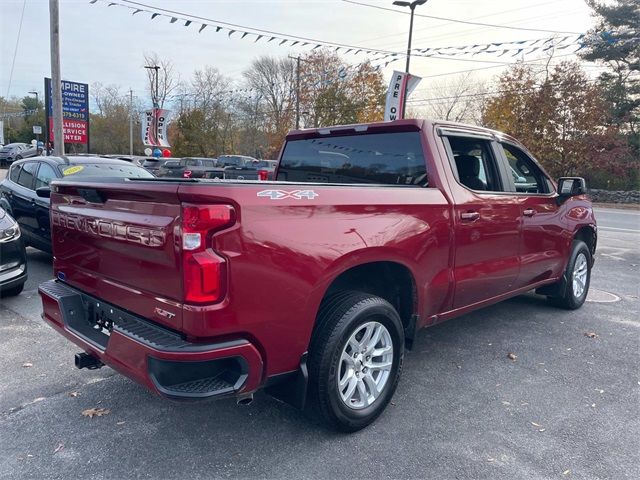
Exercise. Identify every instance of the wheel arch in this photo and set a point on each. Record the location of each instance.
(391, 280)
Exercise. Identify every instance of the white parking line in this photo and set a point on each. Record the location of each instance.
(618, 229)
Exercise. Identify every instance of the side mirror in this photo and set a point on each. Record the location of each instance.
(43, 192)
(571, 186)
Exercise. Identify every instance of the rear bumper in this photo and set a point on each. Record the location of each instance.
(158, 358)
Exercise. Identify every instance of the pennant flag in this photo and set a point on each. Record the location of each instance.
(202, 27)
(187, 23)
(231, 32)
(283, 41)
(218, 29)
(155, 15)
(244, 35)
(137, 11)
(173, 20)
(258, 38)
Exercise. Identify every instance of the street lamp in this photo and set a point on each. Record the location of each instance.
(37, 104)
(156, 105)
(412, 6)
(37, 110)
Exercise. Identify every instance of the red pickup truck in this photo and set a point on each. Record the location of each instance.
(313, 285)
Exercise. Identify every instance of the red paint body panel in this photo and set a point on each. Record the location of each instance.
(282, 255)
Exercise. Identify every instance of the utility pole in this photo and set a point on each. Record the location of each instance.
(297, 59)
(130, 122)
(56, 81)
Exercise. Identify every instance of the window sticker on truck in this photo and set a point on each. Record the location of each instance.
(281, 194)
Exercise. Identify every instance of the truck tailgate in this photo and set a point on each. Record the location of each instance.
(118, 241)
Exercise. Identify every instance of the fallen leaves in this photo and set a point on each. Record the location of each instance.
(566, 472)
(512, 356)
(591, 334)
(95, 412)
(27, 365)
(121, 422)
(59, 448)
(74, 394)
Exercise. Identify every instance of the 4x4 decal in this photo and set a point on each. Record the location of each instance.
(282, 194)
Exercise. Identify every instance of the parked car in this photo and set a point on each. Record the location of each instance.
(153, 164)
(13, 257)
(313, 285)
(252, 170)
(191, 167)
(24, 191)
(16, 151)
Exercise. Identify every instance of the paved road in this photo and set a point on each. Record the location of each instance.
(618, 220)
(566, 408)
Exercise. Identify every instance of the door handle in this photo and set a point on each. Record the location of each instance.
(469, 216)
(529, 212)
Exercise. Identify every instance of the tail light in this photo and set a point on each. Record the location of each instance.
(263, 175)
(186, 174)
(205, 272)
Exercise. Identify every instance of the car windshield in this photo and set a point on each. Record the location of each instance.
(104, 170)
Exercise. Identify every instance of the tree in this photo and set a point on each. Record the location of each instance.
(203, 116)
(333, 92)
(273, 83)
(110, 123)
(167, 78)
(457, 100)
(614, 42)
(562, 118)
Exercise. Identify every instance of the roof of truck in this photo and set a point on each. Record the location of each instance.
(394, 125)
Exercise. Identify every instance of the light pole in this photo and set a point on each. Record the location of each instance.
(37, 110)
(412, 6)
(156, 104)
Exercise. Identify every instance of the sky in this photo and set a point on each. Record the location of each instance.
(106, 44)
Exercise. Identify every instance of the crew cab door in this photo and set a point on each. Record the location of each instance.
(486, 220)
(542, 243)
(46, 174)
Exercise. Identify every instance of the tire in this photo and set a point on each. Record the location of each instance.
(18, 157)
(578, 278)
(12, 292)
(343, 321)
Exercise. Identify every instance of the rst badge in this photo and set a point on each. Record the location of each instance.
(282, 194)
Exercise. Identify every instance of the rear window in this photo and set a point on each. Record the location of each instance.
(382, 158)
(230, 161)
(151, 163)
(104, 170)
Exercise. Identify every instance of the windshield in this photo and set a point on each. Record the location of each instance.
(104, 170)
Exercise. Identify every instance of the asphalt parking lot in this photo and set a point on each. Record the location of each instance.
(567, 407)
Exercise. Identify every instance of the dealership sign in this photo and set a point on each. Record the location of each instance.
(75, 111)
(401, 85)
(155, 122)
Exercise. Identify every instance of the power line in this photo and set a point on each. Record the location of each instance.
(15, 50)
(467, 22)
(431, 28)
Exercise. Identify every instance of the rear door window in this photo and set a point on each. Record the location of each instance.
(26, 175)
(45, 175)
(375, 158)
(475, 164)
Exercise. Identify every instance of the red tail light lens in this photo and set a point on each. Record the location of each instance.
(263, 175)
(205, 272)
(186, 174)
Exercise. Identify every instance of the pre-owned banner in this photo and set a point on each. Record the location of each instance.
(401, 85)
(150, 119)
(75, 111)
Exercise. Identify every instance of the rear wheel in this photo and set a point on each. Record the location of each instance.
(578, 278)
(355, 360)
